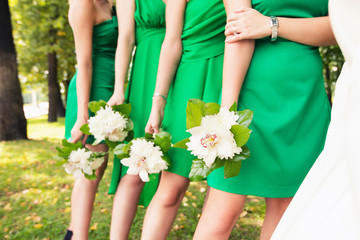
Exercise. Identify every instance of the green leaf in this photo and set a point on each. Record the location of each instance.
(211, 108)
(98, 154)
(119, 151)
(194, 113)
(166, 158)
(241, 134)
(245, 117)
(245, 154)
(111, 144)
(182, 143)
(199, 170)
(218, 163)
(95, 106)
(129, 125)
(163, 140)
(232, 167)
(130, 136)
(127, 148)
(124, 109)
(67, 148)
(90, 177)
(85, 129)
(61, 162)
(233, 108)
(148, 136)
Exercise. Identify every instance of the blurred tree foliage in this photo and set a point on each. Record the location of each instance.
(45, 47)
(333, 61)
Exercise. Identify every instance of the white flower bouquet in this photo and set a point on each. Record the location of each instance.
(145, 155)
(110, 124)
(78, 160)
(218, 136)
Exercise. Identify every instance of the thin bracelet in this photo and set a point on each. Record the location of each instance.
(274, 24)
(161, 95)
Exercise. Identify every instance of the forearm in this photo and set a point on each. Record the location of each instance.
(170, 56)
(309, 31)
(122, 62)
(237, 59)
(83, 86)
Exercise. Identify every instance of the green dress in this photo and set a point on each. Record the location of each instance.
(199, 74)
(150, 32)
(284, 88)
(103, 76)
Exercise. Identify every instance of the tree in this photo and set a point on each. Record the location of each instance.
(46, 48)
(12, 119)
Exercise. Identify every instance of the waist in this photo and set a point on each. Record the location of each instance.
(148, 34)
(195, 51)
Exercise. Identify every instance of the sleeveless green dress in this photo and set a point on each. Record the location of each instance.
(104, 44)
(150, 32)
(284, 88)
(199, 74)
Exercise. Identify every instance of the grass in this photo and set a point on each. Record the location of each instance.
(35, 194)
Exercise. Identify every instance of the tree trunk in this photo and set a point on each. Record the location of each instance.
(12, 118)
(53, 87)
(60, 108)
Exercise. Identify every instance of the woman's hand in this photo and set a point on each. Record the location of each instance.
(246, 23)
(116, 99)
(156, 115)
(76, 134)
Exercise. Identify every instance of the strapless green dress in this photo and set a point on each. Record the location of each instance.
(104, 44)
(199, 74)
(150, 32)
(284, 88)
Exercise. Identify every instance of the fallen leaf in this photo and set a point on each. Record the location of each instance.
(38, 225)
(94, 227)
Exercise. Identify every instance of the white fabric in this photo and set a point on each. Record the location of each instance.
(327, 205)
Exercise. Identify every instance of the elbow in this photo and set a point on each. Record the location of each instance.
(85, 66)
(173, 47)
(126, 40)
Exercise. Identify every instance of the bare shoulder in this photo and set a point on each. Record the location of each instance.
(81, 12)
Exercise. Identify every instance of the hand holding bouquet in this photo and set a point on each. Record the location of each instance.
(110, 124)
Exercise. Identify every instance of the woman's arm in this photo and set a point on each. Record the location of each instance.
(237, 59)
(250, 24)
(170, 55)
(125, 13)
(81, 18)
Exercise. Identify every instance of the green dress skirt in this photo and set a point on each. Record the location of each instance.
(199, 74)
(104, 44)
(284, 88)
(150, 32)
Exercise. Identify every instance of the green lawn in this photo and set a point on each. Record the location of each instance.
(35, 194)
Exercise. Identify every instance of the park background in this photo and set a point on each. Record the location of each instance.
(34, 191)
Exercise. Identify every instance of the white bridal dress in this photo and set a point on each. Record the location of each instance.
(327, 205)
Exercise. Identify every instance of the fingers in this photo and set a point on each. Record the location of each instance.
(231, 30)
(83, 141)
(235, 38)
(152, 128)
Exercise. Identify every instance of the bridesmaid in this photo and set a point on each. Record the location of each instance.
(284, 87)
(141, 24)
(191, 63)
(95, 34)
